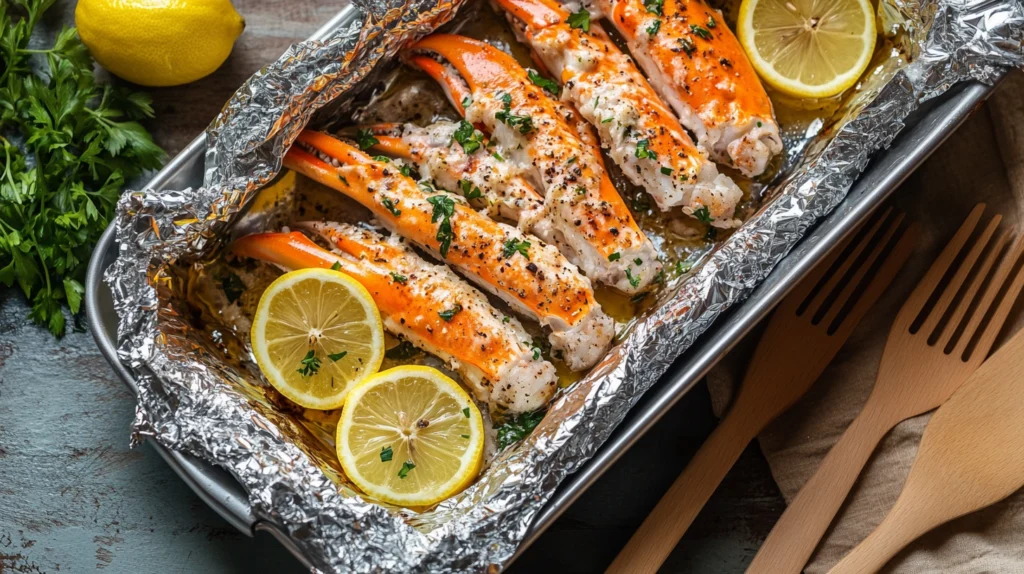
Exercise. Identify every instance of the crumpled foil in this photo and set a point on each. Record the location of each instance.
(192, 400)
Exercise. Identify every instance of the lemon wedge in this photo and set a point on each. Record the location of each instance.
(410, 436)
(316, 335)
(808, 48)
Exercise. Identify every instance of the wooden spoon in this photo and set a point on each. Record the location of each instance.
(935, 343)
(802, 337)
(971, 456)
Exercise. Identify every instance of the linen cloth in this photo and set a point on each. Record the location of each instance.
(982, 162)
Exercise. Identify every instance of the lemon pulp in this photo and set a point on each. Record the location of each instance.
(410, 436)
(315, 335)
(808, 48)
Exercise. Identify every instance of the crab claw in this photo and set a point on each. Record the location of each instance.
(479, 65)
(287, 250)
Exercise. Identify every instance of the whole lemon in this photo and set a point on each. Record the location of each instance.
(159, 42)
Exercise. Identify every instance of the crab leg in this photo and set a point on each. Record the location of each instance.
(583, 213)
(700, 69)
(532, 277)
(641, 135)
(487, 349)
(488, 182)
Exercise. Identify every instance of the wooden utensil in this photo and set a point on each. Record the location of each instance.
(971, 456)
(802, 337)
(937, 340)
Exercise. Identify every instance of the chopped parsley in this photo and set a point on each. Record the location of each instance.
(336, 266)
(633, 281)
(449, 314)
(683, 267)
(402, 351)
(444, 208)
(643, 152)
(469, 191)
(571, 160)
(232, 286)
(468, 137)
(701, 31)
(506, 319)
(711, 22)
(390, 206)
(687, 45)
(386, 453)
(464, 435)
(758, 124)
(513, 246)
(466, 102)
(653, 28)
(405, 170)
(579, 20)
(335, 357)
(524, 124)
(703, 214)
(310, 364)
(343, 180)
(666, 171)
(655, 7)
(365, 139)
(465, 412)
(382, 158)
(540, 81)
(614, 256)
(638, 261)
(518, 427)
(541, 348)
(406, 467)
(606, 120)
(398, 278)
(497, 156)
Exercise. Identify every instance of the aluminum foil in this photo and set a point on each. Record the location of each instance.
(192, 399)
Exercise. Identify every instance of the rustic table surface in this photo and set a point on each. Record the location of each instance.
(74, 497)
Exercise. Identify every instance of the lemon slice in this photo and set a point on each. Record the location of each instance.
(808, 48)
(410, 436)
(316, 334)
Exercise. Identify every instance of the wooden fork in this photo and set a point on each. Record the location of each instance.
(922, 364)
(971, 455)
(802, 337)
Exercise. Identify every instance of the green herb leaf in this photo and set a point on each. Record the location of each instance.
(405, 170)
(469, 191)
(398, 278)
(687, 45)
(540, 81)
(711, 22)
(365, 139)
(518, 427)
(653, 28)
(390, 206)
(701, 31)
(579, 20)
(497, 156)
(386, 454)
(522, 123)
(335, 357)
(513, 246)
(666, 171)
(382, 158)
(444, 208)
(615, 256)
(468, 137)
(336, 266)
(465, 412)
(703, 214)
(310, 364)
(406, 467)
(643, 152)
(633, 281)
(449, 314)
(466, 102)
(656, 7)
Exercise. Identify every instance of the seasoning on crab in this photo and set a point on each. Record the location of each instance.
(641, 135)
(529, 275)
(698, 66)
(456, 157)
(583, 213)
(490, 351)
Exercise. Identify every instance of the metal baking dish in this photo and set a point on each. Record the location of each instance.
(925, 131)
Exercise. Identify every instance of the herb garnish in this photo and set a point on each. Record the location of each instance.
(465, 412)
(398, 278)
(513, 246)
(444, 208)
(643, 152)
(310, 364)
(365, 139)
(382, 158)
(406, 467)
(687, 45)
(497, 156)
(468, 137)
(701, 31)
(518, 427)
(614, 256)
(633, 281)
(522, 123)
(402, 351)
(711, 21)
(449, 314)
(386, 453)
(579, 20)
(84, 141)
(703, 214)
(466, 102)
(405, 170)
(540, 81)
(653, 28)
(336, 266)
(666, 171)
(390, 206)
(469, 191)
(655, 6)
(335, 357)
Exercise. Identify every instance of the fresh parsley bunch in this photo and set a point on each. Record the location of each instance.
(67, 145)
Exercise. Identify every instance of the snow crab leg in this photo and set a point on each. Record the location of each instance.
(640, 134)
(529, 275)
(697, 64)
(490, 351)
(583, 213)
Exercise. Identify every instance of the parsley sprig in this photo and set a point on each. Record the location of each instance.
(84, 141)
(444, 208)
(468, 137)
(516, 428)
(522, 123)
